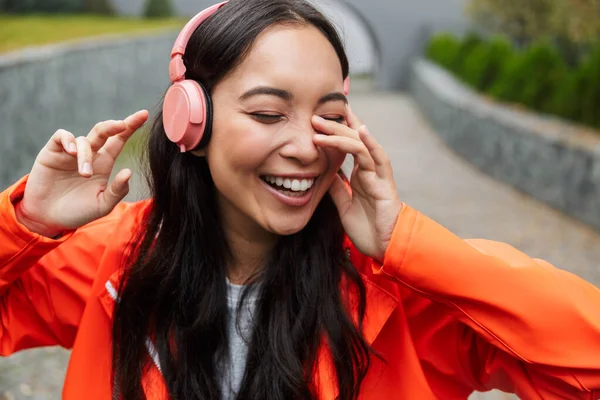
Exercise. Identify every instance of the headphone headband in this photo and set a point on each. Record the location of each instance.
(187, 107)
(176, 67)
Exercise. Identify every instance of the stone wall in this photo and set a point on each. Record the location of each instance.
(73, 86)
(555, 162)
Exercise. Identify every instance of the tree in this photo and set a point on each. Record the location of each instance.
(98, 7)
(158, 8)
(576, 21)
(523, 21)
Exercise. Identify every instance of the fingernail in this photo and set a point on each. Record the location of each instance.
(319, 119)
(87, 168)
(364, 129)
(72, 147)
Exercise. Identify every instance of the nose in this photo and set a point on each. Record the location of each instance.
(299, 144)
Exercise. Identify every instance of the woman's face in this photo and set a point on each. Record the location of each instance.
(269, 174)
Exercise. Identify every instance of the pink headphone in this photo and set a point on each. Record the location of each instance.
(187, 108)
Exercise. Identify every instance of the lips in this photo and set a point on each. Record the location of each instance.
(292, 191)
(291, 184)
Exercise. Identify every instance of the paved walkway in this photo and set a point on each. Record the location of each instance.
(430, 178)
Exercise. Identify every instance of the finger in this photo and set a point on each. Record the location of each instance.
(134, 122)
(115, 144)
(116, 191)
(347, 146)
(333, 128)
(62, 140)
(102, 131)
(340, 194)
(352, 119)
(383, 166)
(84, 156)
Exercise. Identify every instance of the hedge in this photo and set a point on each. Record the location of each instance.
(56, 6)
(536, 76)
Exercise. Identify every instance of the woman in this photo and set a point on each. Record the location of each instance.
(253, 271)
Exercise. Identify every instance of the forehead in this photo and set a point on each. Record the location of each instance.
(287, 55)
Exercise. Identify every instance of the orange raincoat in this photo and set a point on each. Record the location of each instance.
(449, 316)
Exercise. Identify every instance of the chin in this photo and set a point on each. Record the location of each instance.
(285, 226)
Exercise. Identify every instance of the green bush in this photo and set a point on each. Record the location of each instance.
(158, 8)
(485, 62)
(43, 6)
(532, 77)
(566, 101)
(98, 7)
(470, 43)
(589, 81)
(537, 76)
(443, 49)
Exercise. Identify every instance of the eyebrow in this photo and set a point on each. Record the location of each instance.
(288, 96)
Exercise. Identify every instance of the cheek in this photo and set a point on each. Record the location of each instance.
(239, 143)
(335, 160)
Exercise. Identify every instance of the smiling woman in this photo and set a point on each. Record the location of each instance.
(262, 127)
(255, 270)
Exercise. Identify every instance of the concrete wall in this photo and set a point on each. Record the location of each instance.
(381, 35)
(555, 162)
(360, 45)
(73, 86)
(402, 27)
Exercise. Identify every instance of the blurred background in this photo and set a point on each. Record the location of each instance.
(489, 110)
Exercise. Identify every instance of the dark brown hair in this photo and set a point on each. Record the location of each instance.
(175, 290)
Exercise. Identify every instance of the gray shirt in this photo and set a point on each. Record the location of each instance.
(233, 368)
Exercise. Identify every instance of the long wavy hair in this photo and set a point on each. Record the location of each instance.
(174, 290)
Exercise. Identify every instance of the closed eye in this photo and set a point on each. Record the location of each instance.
(339, 120)
(273, 118)
(267, 118)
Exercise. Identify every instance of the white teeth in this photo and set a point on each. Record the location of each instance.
(296, 185)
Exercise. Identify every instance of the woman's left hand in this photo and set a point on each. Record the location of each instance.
(370, 211)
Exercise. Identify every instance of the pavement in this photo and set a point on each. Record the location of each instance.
(430, 178)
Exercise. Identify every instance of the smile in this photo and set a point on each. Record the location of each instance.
(292, 191)
(295, 186)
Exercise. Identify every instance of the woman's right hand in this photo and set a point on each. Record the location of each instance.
(68, 184)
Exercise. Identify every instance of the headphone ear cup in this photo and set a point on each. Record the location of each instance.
(186, 114)
(208, 107)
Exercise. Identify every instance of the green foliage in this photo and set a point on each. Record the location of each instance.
(482, 66)
(469, 44)
(158, 8)
(566, 101)
(56, 6)
(532, 77)
(589, 83)
(443, 49)
(98, 7)
(43, 6)
(536, 76)
(526, 22)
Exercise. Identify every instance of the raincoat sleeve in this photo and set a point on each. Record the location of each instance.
(44, 283)
(494, 318)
